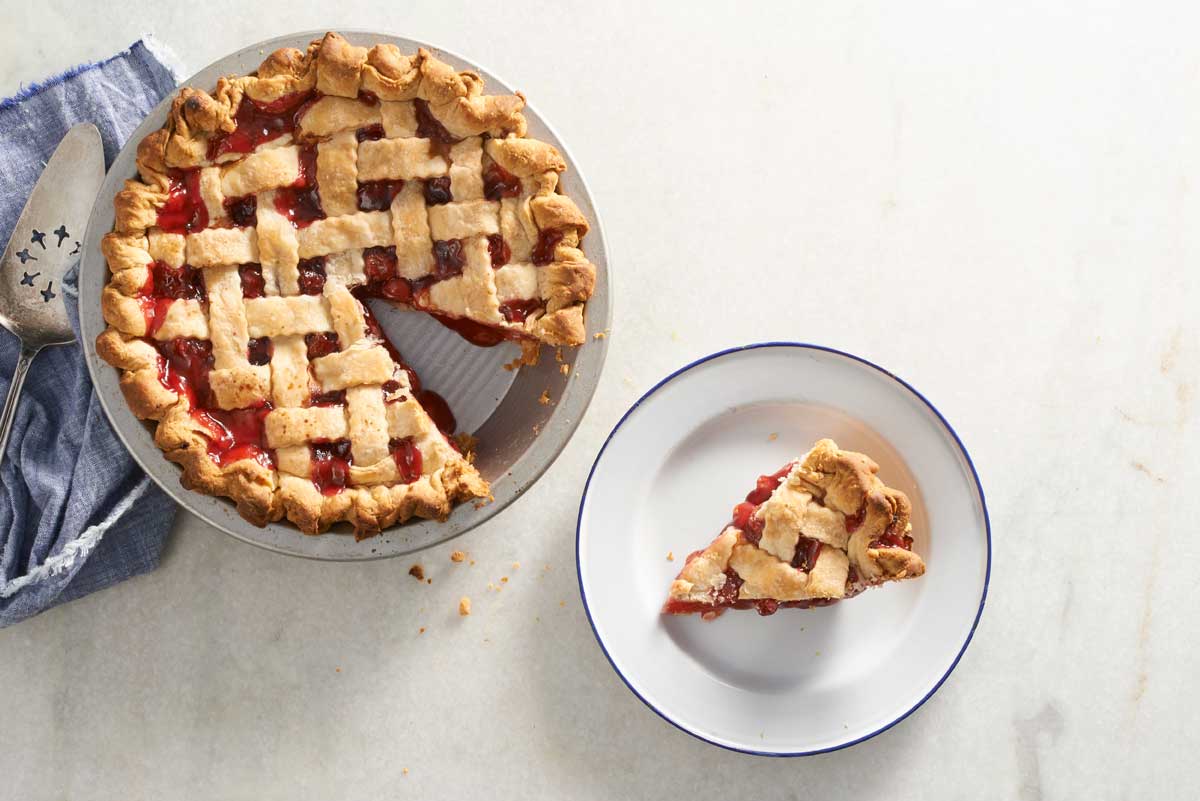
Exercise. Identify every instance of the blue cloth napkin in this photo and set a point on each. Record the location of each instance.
(76, 512)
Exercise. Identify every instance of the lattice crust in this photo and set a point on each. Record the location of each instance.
(266, 210)
(829, 497)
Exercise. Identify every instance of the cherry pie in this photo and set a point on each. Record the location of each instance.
(267, 212)
(821, 529)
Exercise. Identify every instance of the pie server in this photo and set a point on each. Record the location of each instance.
(45, 242)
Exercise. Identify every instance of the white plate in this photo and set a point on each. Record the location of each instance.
(802, 681)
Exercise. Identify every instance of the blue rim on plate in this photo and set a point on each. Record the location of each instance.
(804, 345)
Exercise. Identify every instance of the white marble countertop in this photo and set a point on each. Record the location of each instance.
(998, 204)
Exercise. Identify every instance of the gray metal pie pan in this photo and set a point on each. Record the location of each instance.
(519, 437)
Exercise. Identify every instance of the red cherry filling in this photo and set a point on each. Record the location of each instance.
(449, 258)
(500, 183)
(242, 210)
(336, 397)
(259, 351)
(321, 344)
(408, 458)
(369, 133)
(379, 264)
(184, 209)
(257, 123)
(768, 484)
(330, 468)
(428, 126)
(807, 551)
(437, 191)
(855, 520)
(312, 276)
(516, 311)
(301, 202)
(236, 434)
(165, 285)
(543, 251)
(253, 283)
(892, 537)
(499, 250)
(378, 195)
(184, 367)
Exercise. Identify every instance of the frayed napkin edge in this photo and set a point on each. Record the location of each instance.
(78, 549)
(165, 55)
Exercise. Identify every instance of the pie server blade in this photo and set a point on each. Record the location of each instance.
(44, 244)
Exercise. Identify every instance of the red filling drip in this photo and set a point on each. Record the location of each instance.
(184, 368)
(257, 123)
(312, 276)
(301, 202)
(499, 250)
(378, 195)
(242, 210)
(892, 537)
(408, 458)
(321, 344)
(428, 126)
(330, 465)
(768, 484)
(477, 334)
(515, 311)
(438, 410)
(184, 210)
(543, 251)
(449, 258)
(437, 191)
(379, 264)
(500, 183)
(253, 283)
(237, 434)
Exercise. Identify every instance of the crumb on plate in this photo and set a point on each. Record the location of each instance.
(417, 572)
(457, 556)
(464, 606)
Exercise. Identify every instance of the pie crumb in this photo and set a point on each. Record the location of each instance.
(417, 572)
(421, 630)
(404, 771)
(464, 606)
(558, 355)
(562, 603)
(457, 556)
(772, 437)
(670, 556)
(504, 579)
(599, 335)
(337, 670)
(564, 369)
(544, 398)
(516, 565)
(472, 563)
(428, 581)
(536, 429)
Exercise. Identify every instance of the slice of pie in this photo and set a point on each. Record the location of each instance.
(820, 529)
(264, 217)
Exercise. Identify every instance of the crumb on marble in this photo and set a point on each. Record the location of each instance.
(464, 606)
(457, 556)
(670, 556)
(404, 771)
(417, 572)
